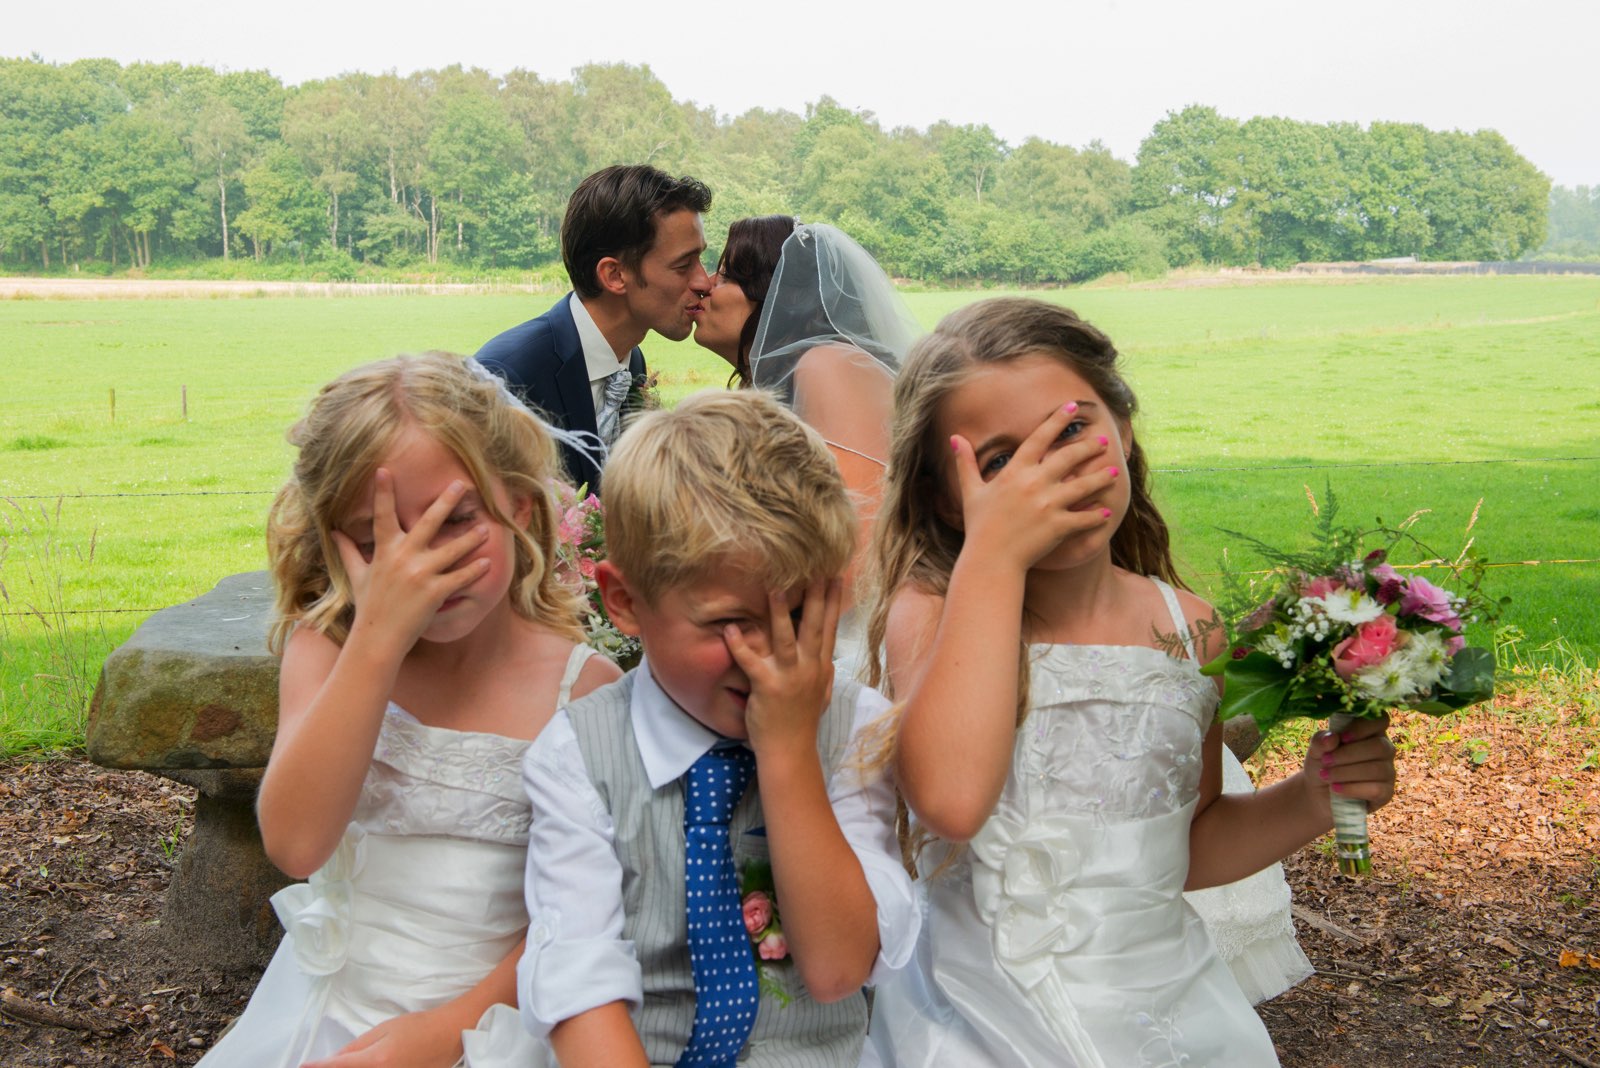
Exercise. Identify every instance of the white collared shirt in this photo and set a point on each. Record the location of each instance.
(598, 356)
(576, 958)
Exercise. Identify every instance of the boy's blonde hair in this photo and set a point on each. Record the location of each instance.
(348, 429)
(725, 474)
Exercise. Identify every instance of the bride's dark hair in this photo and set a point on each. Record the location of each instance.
(748, 260)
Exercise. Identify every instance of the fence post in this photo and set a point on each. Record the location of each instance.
(185, 390)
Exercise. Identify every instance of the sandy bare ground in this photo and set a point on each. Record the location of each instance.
(179, 289)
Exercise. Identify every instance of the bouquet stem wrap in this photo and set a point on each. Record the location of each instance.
(1349, 819)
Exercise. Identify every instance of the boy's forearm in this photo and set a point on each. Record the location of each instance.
(603, 1037)
(828, 913)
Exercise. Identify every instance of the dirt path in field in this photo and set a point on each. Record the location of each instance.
(171, 289)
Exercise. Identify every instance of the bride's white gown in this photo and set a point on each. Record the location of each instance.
(1060, 935)
(422, 899)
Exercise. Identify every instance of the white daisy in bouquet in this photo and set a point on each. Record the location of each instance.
(1342, 633)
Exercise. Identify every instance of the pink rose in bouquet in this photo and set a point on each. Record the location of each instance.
(757, 912)
(774, 946)
(1372, 642)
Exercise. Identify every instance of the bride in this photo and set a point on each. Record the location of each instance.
(803, 310)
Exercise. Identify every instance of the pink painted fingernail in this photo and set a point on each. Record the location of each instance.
(1337, 787)
(954, 446)
(1324, 774)
(1113, 471)
(1347, 736)
(1105, 513)
(1327, 760)
(1070, 407)
(1104, 440)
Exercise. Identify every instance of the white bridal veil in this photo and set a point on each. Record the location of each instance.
(828, 296)
(827, 288)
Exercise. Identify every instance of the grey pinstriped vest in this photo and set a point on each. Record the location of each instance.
(649, 843)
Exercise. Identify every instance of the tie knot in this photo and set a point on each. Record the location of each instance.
(716, 783)
(617, 386)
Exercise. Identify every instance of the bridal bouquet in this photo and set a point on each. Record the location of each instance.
(580, 546)
(1340, 633)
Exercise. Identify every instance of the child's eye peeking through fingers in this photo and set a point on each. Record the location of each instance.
(1070, 432)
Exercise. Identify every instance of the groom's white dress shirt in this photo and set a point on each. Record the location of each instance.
(599, 359)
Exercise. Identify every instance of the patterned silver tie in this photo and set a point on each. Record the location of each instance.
(608, 420)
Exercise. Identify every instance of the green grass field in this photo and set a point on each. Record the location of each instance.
(1403, 393)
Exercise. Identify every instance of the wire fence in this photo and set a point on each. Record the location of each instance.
(1231, 470)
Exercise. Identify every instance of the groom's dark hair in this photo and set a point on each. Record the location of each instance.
(614, 212)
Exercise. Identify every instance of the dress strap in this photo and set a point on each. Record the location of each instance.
(1175, 610)
(580, 656)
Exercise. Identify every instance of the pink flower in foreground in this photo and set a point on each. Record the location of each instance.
(1372, 641)
(1390, 584)
(1423, 598)
(757, 912)
(571, 529)
(774, 946)
(1321, 587)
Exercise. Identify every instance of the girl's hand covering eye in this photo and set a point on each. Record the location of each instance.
(1019, 509)
(400, 579)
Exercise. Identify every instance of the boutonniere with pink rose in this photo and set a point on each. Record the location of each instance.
(759, 897)
(1343, 632)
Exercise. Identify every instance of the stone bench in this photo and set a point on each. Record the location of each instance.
(193, 696)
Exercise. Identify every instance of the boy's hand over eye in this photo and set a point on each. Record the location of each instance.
(792, 681)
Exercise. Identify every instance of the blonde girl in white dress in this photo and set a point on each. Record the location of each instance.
(426, 641)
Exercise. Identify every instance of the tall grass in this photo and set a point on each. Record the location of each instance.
(47, 652)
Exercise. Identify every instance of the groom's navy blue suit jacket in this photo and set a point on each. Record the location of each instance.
(542, 362)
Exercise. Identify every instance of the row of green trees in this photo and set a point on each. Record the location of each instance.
(146, 163)
(1574, 224)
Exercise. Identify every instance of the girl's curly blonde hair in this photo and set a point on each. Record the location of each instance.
(351, 425)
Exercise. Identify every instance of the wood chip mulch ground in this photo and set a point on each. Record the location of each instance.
(1476, 941)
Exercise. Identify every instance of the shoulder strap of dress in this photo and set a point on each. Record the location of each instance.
(1175, 610)
(580, 656)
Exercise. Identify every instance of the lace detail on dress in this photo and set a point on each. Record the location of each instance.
(1113, 730)
(431, 780)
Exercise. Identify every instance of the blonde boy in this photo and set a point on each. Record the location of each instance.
(728, 530)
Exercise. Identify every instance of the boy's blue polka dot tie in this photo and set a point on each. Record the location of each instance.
(726, 993)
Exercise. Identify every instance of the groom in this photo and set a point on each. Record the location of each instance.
(631, 240)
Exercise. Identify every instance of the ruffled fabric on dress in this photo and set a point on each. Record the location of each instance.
(1250, 921)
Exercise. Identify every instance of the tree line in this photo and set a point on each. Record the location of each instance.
(150, 164)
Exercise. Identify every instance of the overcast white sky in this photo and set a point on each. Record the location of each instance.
(1066, 71)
